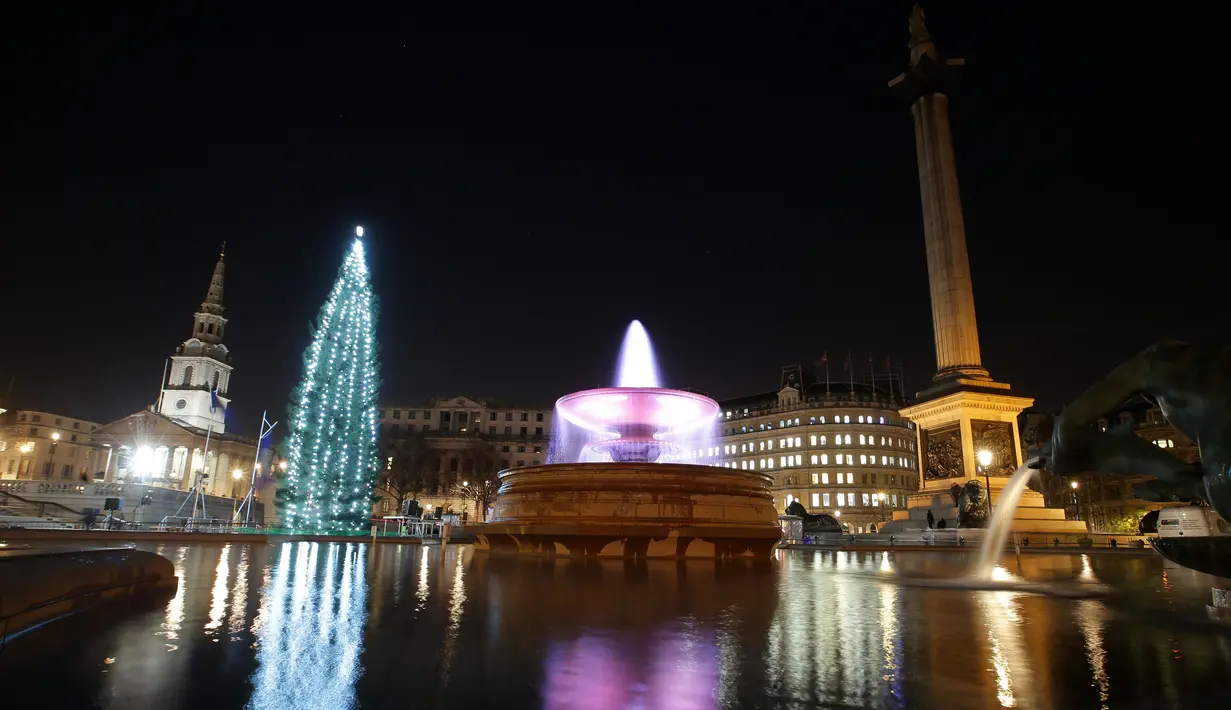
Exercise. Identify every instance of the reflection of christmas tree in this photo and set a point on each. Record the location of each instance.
(331, 453)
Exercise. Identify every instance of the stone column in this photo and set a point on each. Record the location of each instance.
(953, 302)
(922, 86)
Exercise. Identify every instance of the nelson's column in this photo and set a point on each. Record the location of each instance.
(967, 421)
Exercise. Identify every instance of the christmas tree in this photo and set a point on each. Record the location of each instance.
(332, 449)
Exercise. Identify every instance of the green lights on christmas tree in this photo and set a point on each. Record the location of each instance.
(331, 455)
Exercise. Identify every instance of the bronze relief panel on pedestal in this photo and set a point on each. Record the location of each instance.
(943, 453)
(996, 437)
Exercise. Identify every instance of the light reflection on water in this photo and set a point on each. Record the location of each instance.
(307, 625)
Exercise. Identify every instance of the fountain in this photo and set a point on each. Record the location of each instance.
(1001, 524)
(623, 478)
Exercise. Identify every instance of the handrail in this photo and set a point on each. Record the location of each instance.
(37, 503)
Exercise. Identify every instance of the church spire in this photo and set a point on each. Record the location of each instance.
(213, 298)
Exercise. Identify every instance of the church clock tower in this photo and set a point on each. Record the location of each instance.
(200, 373)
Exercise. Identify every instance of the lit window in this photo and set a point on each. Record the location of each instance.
(782, 443)
(866, 503)
(861, 419)
(823, 421)
(850, 460)
(762, 445)
(1170, 444)
(895, 499)
(814, 459)
(816, 500)
(796, 421)
(841, 500)
(863, 460)
(770, 446)
(825, 499)
(824, 459)
(822, 441)
(884, 460)
(799, 459)
(825, 480)
(875, 502)
(781, 423)
(882, 420)
(815, 479)
(781, 462)
(863, 441)
(846, 419)
(789, 499)
(840, 478)
(812, 420)
(813, 440)
(743, 448)
(799, 441)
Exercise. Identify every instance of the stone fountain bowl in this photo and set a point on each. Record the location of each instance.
(636, 510)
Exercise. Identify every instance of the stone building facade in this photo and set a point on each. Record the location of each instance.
(451, 440)
(839, 448)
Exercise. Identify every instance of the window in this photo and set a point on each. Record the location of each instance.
(861, 419)
(822, 441)
(813, 440)
(824, 459)
(841, 500)
(863, 477)
(534, 462)
(782, 443)
(895, 499)
(525, 417)
(781, 461)
(491, 430)
(816, 479)
(866, 503)
(823, 421)
(816, 500)
(875, 501)
(412, 414)
(770, 445)
(874, 478)
(504, 464)
(862, 439)
(215, 385)
(538, 449)
(850, 459)
(185, 382)
(863, 460)
(538, 431)
(538, 416)
(508, 431)
(882, 420)
(522, 431)
(825, 499)
(521, 449)
(846, 419)
(508, 416)
(397, 414)
(814, 459)
(799, 441)
(446, 416)
(520, 464)
(491, 417)
(789, 499)
(825, 480)
(884, 460)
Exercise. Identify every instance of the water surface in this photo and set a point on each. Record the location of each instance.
(306, 625)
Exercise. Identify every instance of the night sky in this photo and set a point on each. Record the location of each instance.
(741, 180)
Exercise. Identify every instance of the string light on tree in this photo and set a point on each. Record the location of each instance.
(332, 458)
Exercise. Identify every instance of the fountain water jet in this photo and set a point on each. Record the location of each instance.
(612, 486)
(1002, 522)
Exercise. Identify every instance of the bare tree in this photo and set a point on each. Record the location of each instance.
(479, 483)
(407, 466)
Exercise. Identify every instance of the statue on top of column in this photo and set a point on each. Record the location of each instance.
(920, 39)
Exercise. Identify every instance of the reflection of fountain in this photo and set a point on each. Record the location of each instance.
(612, 487)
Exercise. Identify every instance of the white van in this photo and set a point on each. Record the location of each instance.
(1192, 521)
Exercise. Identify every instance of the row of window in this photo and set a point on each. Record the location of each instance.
(821, 460)
(837, 419)
(461, 418)
(1164, 443)
(822, 440)
(850, 500)
(36, 418)
(395, 429)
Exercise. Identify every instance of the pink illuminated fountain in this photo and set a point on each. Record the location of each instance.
(637, 420)
(621, 479)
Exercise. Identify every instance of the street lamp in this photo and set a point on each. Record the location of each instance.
(985, 460)
(1076, 499)
(51, 459)
(25, 450)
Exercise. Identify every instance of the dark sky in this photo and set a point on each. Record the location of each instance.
(740, 179)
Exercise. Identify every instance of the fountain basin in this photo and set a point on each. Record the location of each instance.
(632, 510)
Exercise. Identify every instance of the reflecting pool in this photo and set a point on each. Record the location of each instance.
(308, 625)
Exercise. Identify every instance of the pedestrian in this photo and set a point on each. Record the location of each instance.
(931, 520)
(1112, 543)
(941, 525)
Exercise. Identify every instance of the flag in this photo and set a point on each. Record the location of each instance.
(214, 403)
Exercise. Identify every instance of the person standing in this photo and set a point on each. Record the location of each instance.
(931, 520)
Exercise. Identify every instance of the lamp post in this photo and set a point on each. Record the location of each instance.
(1076, 499)
(985, 460)
(51, 458)
(25, 450)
